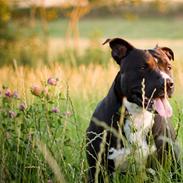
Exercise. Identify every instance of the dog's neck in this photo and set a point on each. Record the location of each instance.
(139, 117)
(137, 125)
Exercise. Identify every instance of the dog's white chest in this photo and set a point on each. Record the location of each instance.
(137, 126)
(136, 129)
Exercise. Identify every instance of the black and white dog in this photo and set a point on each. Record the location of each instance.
(141, 87)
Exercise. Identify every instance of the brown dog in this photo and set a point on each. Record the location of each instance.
(147, 111)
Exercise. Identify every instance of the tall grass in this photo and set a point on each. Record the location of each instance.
(43, 122)
(39, 141)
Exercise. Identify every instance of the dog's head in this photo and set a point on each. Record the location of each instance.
(145, 75)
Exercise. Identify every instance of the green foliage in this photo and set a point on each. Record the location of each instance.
(50, 119)
(133, 28)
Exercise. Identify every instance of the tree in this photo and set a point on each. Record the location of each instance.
(75, 10)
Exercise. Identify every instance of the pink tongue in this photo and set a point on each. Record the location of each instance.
(163, 107)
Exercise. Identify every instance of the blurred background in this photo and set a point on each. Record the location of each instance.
(34, 32)
(69, 34)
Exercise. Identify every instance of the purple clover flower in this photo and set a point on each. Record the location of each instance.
(52, 81)
(12, 114)
(22, 107)
(8, 93)
(36, 90)
(15, 95)
(55, 110)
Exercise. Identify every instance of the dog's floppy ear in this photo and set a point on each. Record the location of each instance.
(120, 48)
(169, 53)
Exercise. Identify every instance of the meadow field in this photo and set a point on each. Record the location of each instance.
(45, 110)
(137, 28)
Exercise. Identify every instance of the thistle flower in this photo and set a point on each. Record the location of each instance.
(8, 93)
(22, 106)
(52, 81)
(36, 90)
(15, 95)
(12, 114)
(55, 110)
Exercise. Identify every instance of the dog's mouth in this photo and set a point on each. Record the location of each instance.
(159, 104)
(163, 107)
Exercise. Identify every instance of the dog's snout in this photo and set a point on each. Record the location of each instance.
(169, 83)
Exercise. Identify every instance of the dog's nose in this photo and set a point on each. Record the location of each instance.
(169, 83)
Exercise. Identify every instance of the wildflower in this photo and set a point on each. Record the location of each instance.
(22, 106)
(36, 90)
(52, 81)
(12, 114)
(15, 95)
(55, 110)
(8, 93)
(68, 113)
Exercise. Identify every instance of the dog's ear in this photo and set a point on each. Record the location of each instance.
(169, 53)
(120, 48)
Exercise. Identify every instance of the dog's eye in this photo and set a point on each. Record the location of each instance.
(169, 68)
